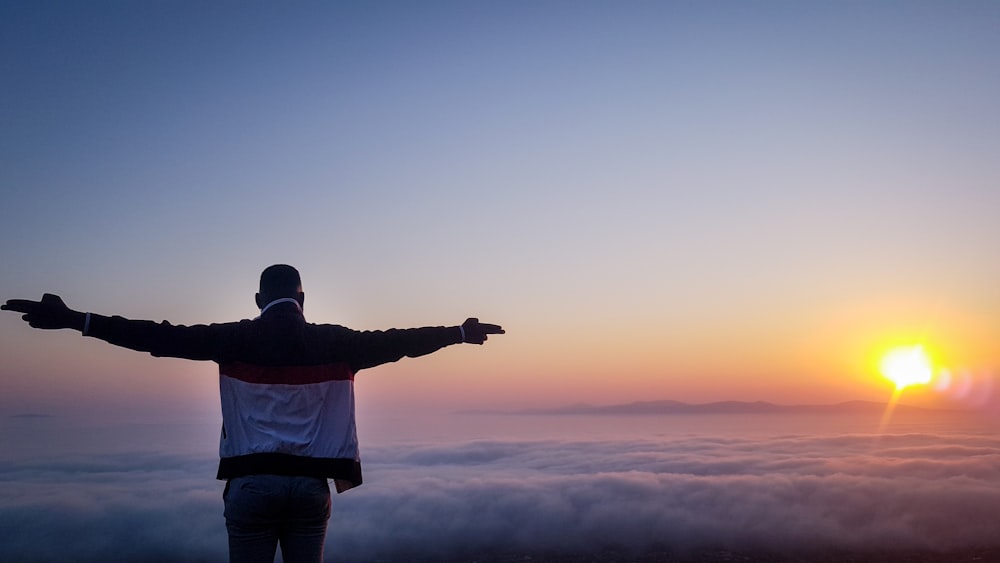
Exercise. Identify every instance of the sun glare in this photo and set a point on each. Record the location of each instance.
(907, 365)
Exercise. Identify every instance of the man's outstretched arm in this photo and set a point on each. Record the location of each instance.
(372, 348)
(197, 342)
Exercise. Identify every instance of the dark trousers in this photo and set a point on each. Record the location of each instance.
(263, 511)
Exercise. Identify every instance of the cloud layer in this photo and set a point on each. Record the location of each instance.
(907, 491)
(916, 491)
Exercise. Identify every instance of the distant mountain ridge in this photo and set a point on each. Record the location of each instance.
(719, 407)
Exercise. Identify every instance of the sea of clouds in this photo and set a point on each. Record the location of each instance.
(916, 490)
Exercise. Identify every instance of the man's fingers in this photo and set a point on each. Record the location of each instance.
(484, 328)
(491, 329)
(49, 302)
(472, 323)
(19, 305)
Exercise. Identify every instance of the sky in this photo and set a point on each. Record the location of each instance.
(657, 200)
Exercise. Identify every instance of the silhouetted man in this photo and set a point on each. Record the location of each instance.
(287, 391)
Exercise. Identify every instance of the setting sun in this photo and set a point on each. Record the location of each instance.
(907, 365)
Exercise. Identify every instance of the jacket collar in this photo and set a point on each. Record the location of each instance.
(278, 302)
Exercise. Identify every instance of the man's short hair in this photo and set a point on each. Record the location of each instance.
(280, 280)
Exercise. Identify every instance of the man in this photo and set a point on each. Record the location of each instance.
(287, 391)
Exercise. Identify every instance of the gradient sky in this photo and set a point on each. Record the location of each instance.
(687, 200)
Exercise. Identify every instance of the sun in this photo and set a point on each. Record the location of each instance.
(907, 365)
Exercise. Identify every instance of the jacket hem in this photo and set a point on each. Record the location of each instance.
(347, 472)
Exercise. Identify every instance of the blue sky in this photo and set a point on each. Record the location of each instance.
(708, 190)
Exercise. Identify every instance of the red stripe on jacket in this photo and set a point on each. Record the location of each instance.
(287, 375)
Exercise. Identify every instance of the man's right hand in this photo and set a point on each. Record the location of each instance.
(475, 332)
(49, 313)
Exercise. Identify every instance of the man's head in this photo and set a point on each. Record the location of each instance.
(277, 282)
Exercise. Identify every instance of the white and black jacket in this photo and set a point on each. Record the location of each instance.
(287, 386)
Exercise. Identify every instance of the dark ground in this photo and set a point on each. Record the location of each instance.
(984, 555)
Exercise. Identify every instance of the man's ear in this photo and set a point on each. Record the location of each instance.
(259, 299)
(301, 298)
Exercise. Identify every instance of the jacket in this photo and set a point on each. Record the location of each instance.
(286, 385)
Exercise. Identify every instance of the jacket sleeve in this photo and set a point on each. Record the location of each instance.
(195, 342)
(376, 347)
